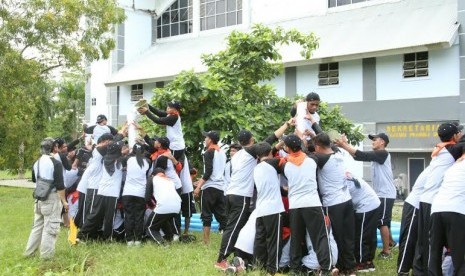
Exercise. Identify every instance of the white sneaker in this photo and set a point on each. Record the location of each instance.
(137, 243)
(175, 237)
(130, 243)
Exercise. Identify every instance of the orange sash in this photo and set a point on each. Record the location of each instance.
(296, 158)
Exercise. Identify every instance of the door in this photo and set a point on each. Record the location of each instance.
(415, 167)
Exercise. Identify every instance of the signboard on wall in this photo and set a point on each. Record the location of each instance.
(412, 136)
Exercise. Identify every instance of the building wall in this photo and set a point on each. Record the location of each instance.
(100, 71)
(442, 79)
(138, 34)
(269, 11)
(349, 88)
(126, 105)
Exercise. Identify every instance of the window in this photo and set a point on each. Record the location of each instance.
(118, 52)
(94, 101)
(415, 65)
(220, 13)
(177, 20)
(337, 3)
(328, 74)
(137, 92)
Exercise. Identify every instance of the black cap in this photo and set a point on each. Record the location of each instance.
(175, 104)
(293, 142)
(380, 135)
(312, 96)
(213, 135)
(447, 130)
(459, 126)
(100, 118)
(164, 142)
(244, 136)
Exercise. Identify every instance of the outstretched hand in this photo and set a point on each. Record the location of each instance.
(341, 141)
(142, 110)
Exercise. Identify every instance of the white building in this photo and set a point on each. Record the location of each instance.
(395, 66)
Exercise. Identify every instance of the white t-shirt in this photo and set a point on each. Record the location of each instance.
(364, 198)
(136, 178)
(451, 194)
(99, 130)
(185, 177)
(417, 189)
(46, 167)
(227, 175)
(171, 173)
(331, 181)
(302, 184)
(246, 238)
(216, 179)
(175, 135)
(164, 192)
(269, 200)
(91, 177)
(383, 181)
(311, 260)
(303, 124)
(242, 183)
(439, 164)
(110, 185)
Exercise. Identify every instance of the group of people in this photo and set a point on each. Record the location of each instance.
(288, 203)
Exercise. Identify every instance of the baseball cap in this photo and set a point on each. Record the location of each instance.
(447, 130)
(164, 142)
(175, 104)
(381, 135)
(213, 135)
(244, 136)
(100, 118)
(293, 142)
(459, 126)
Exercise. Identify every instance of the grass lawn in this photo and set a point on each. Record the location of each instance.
(7, 175)
(107, 259)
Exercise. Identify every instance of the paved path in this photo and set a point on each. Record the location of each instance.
(24, 183)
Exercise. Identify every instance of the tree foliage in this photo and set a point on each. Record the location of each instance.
(24, 109)
(68, 107)
(36, 37)
(233, 94)
(60, 32)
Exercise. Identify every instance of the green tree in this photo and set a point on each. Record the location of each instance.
(36, 37)
(231, 95)
(68, 108)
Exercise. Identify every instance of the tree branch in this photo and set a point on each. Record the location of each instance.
(48, 69)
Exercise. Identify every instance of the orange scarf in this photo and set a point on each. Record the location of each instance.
(214, 147)
(157, 153)
(296, 158)
(440, 146)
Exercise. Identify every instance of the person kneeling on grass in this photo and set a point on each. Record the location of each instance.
(167, 207)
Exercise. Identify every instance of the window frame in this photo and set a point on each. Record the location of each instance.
(211, 18)
(415, 65)
(328, 74)
(137, 92)
(177, 20)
